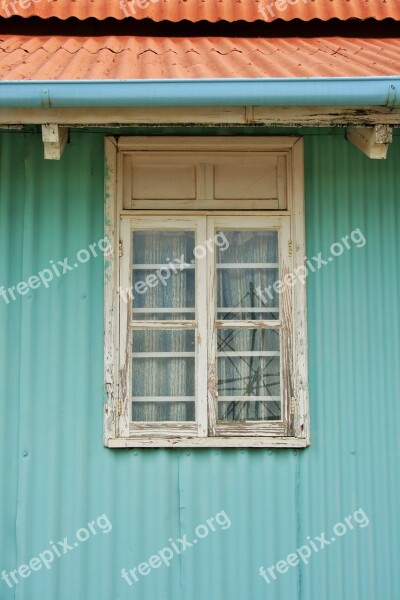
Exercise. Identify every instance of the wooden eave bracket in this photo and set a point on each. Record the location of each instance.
(373, 141)
(54, 138)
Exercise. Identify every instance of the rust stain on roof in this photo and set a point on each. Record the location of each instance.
(62, 58)
(209, 10)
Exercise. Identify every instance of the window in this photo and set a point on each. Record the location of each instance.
(205, 340)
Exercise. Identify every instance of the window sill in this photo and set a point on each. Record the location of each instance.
(209, 442)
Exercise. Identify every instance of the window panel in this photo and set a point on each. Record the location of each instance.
(249, 370)
(161, 412)
(163, 275)
(246, 273)
(238, 340)
(249, 411)
(163, 375)
(249, 246)
(208, 180)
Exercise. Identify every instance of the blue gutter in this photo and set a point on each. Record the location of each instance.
(338, 91)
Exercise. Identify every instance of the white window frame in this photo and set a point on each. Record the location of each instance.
(293, 430)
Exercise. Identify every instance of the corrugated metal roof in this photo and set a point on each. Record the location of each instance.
(61, 58)
(209, 10)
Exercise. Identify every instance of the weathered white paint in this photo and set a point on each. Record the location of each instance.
(111, 224)
(293, 429)
(281, 116)
(301, 417)
(54, 139)
(209, 442)
(372, 141)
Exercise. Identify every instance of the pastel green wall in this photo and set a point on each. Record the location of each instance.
(55, 475)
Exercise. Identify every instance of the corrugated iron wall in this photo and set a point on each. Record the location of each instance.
(56, 477)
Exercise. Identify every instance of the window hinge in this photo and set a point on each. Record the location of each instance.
(292, 406)
(121, 248)
(290, 247)
(119, 408)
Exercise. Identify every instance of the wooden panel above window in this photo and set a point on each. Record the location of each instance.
(199, 180)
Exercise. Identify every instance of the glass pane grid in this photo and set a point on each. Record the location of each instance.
(163, 372)
(248, 358)
(163, 275)
(246, 272)
(163, 378)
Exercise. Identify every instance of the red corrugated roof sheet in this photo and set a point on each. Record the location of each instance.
(210, 10)
(60, 58)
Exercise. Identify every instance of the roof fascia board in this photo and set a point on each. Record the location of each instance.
(231, 116)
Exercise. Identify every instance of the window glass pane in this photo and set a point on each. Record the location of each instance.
(163, 275)
(249, 411)
(163, 375)
(248, 375)
(246, 273)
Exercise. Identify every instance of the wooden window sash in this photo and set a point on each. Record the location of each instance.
(127, 427)
(284, 324)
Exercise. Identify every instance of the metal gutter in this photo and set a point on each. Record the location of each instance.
(338, 91)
